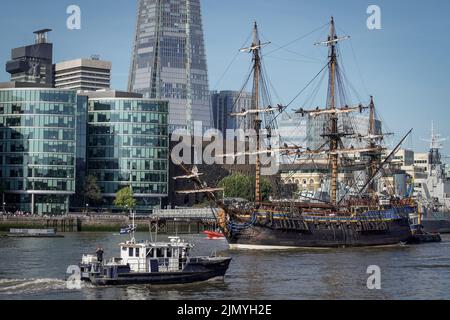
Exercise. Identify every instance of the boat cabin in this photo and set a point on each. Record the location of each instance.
(155, 257)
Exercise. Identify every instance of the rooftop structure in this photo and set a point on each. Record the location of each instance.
(33, 63)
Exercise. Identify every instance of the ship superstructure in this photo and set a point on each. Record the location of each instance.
(433, 191)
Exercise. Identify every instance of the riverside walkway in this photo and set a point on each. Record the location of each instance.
(185, 220)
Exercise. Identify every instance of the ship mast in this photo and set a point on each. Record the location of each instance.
(255, 118)
(374, 159)
(334, 136)
(333, 133)
(254, 114)
(255, 106)
(332, 111)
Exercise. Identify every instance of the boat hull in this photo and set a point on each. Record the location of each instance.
(437, 222)
(197, 271)
(321, 233)
(425, 238)
(258, 237)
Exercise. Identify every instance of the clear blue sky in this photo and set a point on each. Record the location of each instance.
(405, 65)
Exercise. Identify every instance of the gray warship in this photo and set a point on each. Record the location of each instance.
(432, 190)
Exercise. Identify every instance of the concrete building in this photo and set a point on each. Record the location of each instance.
(403, 157)
(33, 63)
(83, 74)
(421, 160)
(169, 60)
(37, 147)
(305, 181)
(128, 146)
(312, 179)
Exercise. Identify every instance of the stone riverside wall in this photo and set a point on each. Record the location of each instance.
(103, 224)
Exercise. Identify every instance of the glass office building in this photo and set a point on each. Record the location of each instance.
(78, 201)
(169, 60)
(37, 148)
(128, 145)
(226, 102)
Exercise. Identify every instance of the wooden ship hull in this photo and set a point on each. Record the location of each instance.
(323, 232)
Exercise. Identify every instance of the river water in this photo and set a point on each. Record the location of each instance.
(36, 269)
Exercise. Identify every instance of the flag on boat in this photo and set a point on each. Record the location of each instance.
(214, 235)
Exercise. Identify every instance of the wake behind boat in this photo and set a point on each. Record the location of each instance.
(33, 233)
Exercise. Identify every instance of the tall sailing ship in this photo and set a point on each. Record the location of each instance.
(359, 217)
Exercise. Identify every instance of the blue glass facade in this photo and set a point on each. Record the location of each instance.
(37, 149)
(77, 201)
(128, 145)
(169, 60)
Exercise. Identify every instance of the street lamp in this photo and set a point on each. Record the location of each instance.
(4, 208)
(87, 208)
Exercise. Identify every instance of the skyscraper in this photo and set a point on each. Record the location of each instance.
(169, 60)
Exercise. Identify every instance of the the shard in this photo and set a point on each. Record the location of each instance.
(169, 60)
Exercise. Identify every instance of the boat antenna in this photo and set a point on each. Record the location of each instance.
(156, 231)
(150, 230)
(133, 226)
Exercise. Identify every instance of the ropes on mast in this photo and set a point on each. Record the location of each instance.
(301, 91)
(231, 63)
(298, 39)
